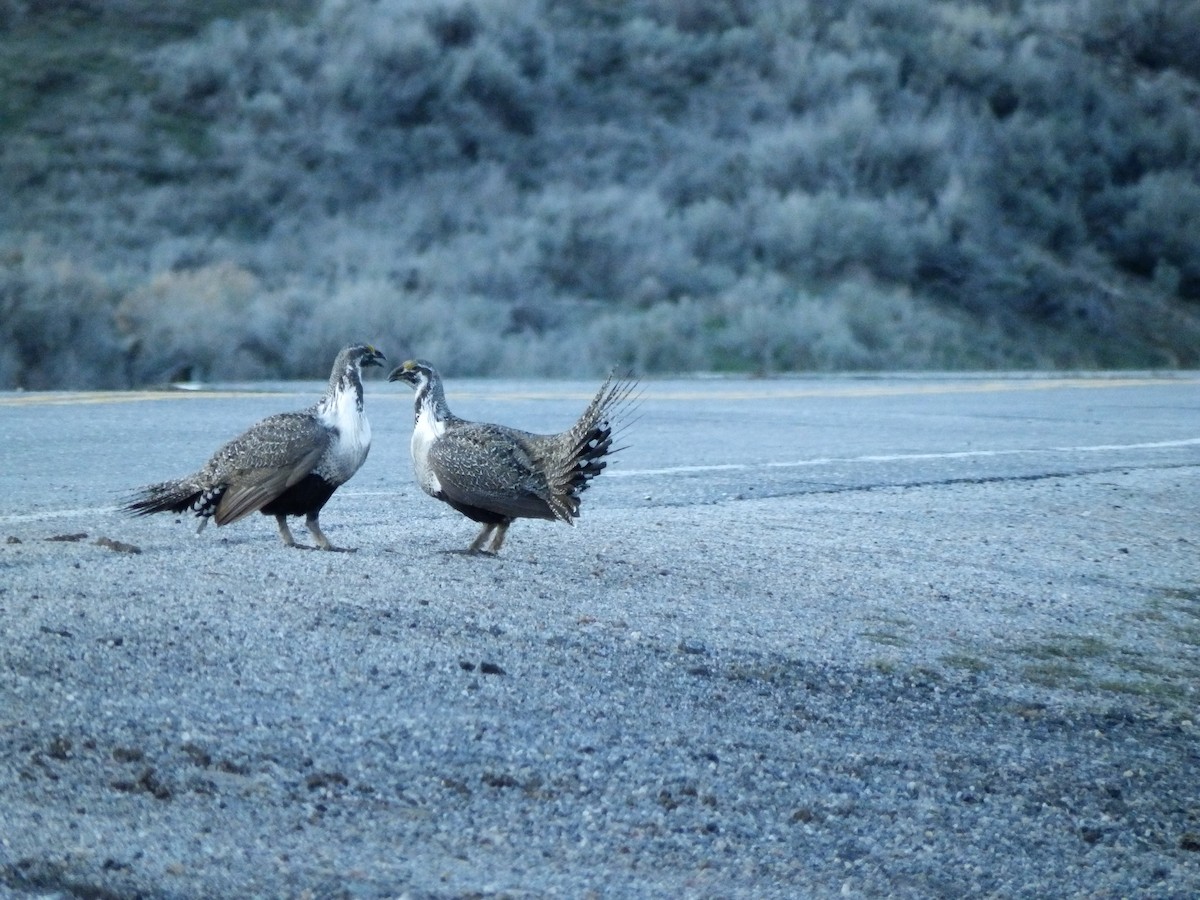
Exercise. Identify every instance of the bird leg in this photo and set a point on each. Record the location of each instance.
(495, 531)
(319, 536)
(498, 538)
(285, 533)
(480, 539)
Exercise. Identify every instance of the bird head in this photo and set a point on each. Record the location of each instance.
(355, 357)
(416, 372)
(369, 356)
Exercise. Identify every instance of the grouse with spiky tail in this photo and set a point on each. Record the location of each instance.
(287, 465)
(495, 474)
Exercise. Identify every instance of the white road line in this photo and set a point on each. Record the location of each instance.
(1153, 445)
(684, 470)
(734, 467)
(900, 457)
(60, 514)
(705, 390)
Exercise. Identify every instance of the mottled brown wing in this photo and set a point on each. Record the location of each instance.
(266, 460)
(491, 467)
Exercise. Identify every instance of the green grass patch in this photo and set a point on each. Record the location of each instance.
(1181, 600)
(887, 638)
(965, 662)
(766, 673)
(1065, 646)
(1129, 661)
(1150, 614)
(1157, 689)
(1055, 674)
(1189, 634)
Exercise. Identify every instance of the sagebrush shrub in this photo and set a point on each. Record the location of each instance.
(539, 186)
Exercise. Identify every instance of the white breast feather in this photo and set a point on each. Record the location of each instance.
(349, 449)
(426, 430)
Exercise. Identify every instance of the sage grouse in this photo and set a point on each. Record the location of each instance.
(495, 474)
(287, 465)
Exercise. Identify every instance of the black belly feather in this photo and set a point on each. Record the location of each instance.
(306, 497)
(477, 513)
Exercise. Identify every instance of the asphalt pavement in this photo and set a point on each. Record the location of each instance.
(919, 635)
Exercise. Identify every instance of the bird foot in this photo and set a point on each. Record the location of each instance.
(327, 547)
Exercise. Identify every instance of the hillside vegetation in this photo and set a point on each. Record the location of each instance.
(234, 190)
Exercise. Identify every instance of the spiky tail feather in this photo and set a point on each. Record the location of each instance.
(166, 496)
(587, 443)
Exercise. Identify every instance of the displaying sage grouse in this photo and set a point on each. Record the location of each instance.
(287, 465)
(495, 474)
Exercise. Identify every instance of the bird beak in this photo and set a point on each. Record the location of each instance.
(374, 358)
(400, 374)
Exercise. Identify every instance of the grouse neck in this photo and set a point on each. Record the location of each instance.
(344, 385)
(341, 411)
(430, 405)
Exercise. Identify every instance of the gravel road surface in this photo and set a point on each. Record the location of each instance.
(914, 636)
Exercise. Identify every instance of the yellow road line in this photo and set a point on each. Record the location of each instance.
(699, 391)
(54, 398)
(715, 392)
(767, 389)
